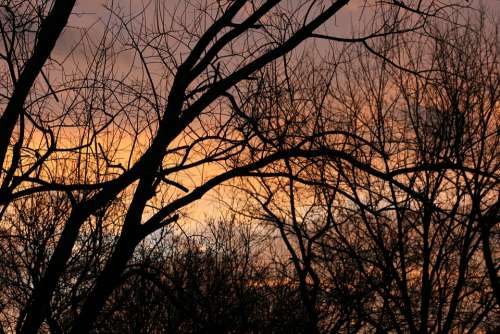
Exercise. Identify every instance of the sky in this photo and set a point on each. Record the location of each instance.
(92, 13)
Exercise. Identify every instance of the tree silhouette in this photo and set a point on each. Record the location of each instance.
(108, 140)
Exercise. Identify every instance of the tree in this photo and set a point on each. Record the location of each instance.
(211, 281)
(170, 86)
(414, 246)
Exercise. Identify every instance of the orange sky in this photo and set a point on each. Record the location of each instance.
(93, 14)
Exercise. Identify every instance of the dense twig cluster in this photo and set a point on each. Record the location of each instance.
(371, 156)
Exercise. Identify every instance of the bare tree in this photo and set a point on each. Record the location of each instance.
(214, 280)
(169, 85)
(407, 222)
